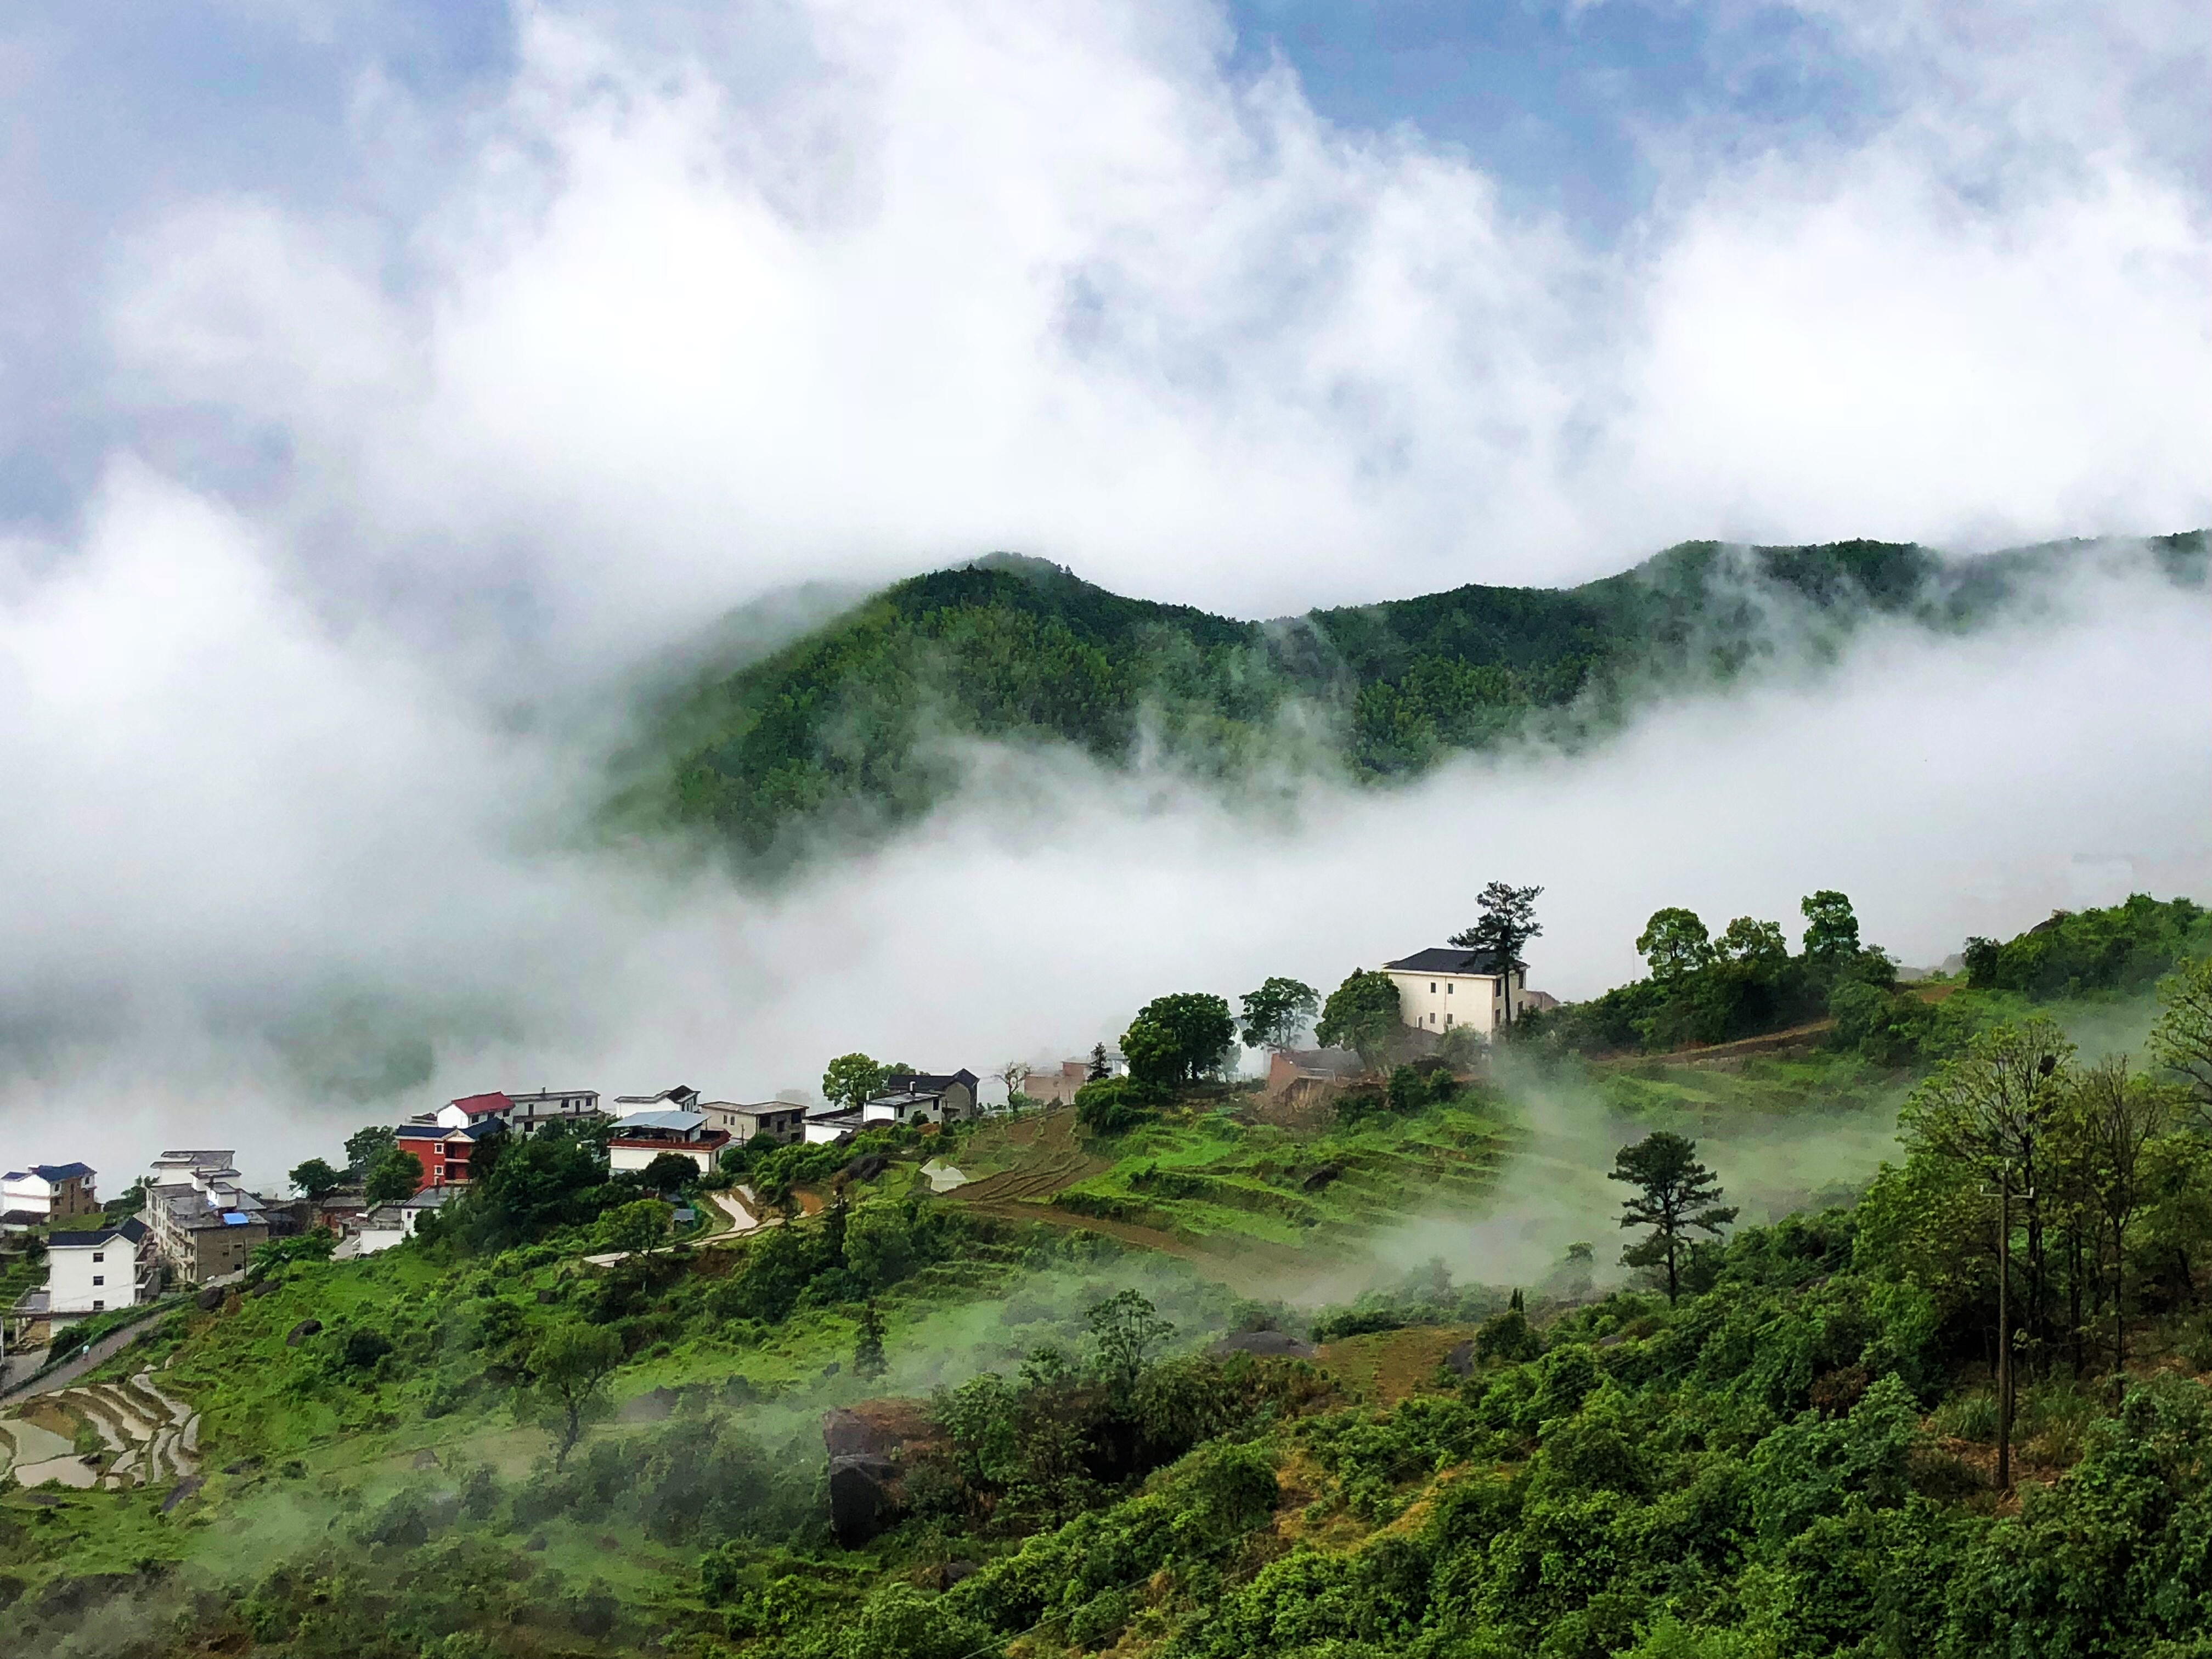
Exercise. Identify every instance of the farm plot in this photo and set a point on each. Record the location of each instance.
(146, 1436)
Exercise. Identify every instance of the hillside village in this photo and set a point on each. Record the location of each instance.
(1124, 1355)
(192, 1222)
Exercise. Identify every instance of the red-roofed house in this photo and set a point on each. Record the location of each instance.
(470, 1109)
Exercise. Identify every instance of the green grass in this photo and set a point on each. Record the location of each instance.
(1206, 1175)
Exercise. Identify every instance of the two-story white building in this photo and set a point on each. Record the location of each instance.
(523, 1114)
(91, 1272)
(1447, 988)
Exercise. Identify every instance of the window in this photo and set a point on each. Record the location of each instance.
(1432, 987)
(1447, 987)
(98, 1306)
(100, 1279)
(99, 1255)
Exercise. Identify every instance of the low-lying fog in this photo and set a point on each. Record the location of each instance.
(363, 429)
(268, 885)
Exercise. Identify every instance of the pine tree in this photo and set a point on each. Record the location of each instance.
(1099, 1069)
(1675, 1193)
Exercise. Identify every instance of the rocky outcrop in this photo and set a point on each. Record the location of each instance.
(300, 1331)
(872, 1446)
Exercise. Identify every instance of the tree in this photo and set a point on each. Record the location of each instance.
(1013, 1074)
(277, 1254)
(1178, 1039)
(868, 1343)
(1674, 1195)
(1125, 1328)
(1100, 1071)
(1832, 930)
(1675, 944)
(365, 1146)
(2182, 1039)
(851, 1079)
(1112, 1105)
(1276, 1012)
(315, 1179)
(570, 1368)
(1505, 922)
(1989, 1111)
(1361, 1014)
(670, 1172)
(638, 1226)
(1748, 940)
(2119, 1117)
(394, 1177)
(545, 1180)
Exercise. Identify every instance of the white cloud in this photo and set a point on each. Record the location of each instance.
(688, 325)
(846, 291)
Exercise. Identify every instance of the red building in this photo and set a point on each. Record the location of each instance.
(445, 1151)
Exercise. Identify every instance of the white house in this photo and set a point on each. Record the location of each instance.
(910, 1106)
(780, 1121)
(47, 1192)
(534, 1111)
(89, 1272)
(826, 1125)
(469, 1110)
(643, 1136)
(389, 1225)
(1445, 988)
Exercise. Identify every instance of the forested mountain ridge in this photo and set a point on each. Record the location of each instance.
(862, 720)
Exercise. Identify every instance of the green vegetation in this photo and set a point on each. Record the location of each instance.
(1361, 1014)
(1961, 1414)
(1209, 1173)
(1746, 983)
(859, 721)
(1274, 1015)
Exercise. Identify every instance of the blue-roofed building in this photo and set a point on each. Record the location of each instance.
(48, 1192)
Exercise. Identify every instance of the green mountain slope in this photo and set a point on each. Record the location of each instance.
(863, 721)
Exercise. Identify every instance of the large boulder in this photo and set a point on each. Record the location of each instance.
(208, 1299)
(871, 1447)
(300, 1331)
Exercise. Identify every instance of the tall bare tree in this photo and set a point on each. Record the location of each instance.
(2119, 1117)
(1991, 1110)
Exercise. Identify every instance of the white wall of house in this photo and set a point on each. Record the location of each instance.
(373, 1239)
(86, 1279)
(641, 1156)
(1443, 1002)
(28, 1193)
(820, 1131)
(925, 1110)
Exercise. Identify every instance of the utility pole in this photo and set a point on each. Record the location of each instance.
(2005, 1380)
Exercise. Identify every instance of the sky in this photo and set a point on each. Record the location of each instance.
(381, 385)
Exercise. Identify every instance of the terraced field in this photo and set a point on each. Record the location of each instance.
(147, 1436)
(1244, 1202)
